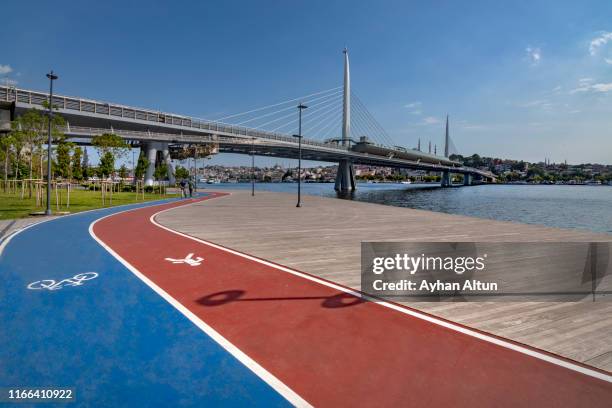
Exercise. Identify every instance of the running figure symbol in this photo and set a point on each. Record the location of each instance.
(189, 260)
(76, 280)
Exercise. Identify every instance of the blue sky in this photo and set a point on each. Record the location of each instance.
(524, 79)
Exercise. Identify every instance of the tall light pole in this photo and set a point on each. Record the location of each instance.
(253, 167)
(51, 77)
(300, 107)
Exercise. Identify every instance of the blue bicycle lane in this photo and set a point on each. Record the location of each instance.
(112, 338)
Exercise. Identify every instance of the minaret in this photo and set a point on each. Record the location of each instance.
(346, 111)
(430, 147)
(446, 139)
(419, 145)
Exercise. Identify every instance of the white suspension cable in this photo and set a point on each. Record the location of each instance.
(323, 118)
(310, 113)
(276, 104)
(335, 120)
(287, 108)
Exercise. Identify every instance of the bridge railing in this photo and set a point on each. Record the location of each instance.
(116, 111)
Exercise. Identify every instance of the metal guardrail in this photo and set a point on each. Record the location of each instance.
(66, 103)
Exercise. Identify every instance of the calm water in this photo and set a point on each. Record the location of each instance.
(581, 207)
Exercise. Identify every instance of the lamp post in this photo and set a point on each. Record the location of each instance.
(253, 167)
(300, 107)
(51, 77)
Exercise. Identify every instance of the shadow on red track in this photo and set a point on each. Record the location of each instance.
(227, 296)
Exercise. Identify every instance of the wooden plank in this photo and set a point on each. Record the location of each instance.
(324, 236)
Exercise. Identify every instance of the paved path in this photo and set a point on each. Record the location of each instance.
(131, 313)
(324, 237)
(112, 338)
(323, 344)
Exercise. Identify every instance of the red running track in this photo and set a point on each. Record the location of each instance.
(335, 349)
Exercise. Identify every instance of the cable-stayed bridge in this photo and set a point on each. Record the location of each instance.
(336, 127)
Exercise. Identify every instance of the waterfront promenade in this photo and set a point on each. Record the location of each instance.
(323, 238)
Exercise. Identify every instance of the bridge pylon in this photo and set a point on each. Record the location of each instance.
(345, 176)
(467, 179)
(446, 176)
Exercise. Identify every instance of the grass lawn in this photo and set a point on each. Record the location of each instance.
(12, 206)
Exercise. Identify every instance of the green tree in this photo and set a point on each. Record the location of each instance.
(161, 172)
(30, 126)
(16, 150)
(141, 167)
(107, 165)
(6, 145)
(85, 165)
(181, 173)
(123, 172)
(57, 135)
(110, 147)
(62, 165)
(77, 170)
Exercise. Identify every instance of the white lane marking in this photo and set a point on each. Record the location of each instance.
(76, 280)
(251, 364)
(481, 336)
(189, 260)
(4, 241)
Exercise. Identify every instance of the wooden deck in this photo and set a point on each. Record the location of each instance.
(323, 238)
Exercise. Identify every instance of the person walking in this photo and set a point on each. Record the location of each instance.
(183, 186)
(190, 185)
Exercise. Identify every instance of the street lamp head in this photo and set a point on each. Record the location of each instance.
(52, 76)
(302, 106)
(297, 135)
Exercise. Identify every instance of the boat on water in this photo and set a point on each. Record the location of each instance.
(406, 182)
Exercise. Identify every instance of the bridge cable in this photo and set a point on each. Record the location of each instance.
(324, 119)
(375, 133)
(373, 119)
(335, 121)
(294, 114)
(309, 113)
(276, 104)
(287, 108)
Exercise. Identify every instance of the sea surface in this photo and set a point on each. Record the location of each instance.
(578, 207)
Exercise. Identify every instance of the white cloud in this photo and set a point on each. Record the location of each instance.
(599, 42)
(430, 120)
(5, 69)
(585, 80)
(415, 106)
(608, 60)
(602, 87)
(588, 87)
(534, 55)
(539, 103)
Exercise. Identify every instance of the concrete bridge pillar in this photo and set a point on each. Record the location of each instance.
(446, 179)
(345, 176)
(168, 160)
(151, 150)
(467, 179)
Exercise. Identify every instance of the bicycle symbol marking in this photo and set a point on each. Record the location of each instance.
(50, 284)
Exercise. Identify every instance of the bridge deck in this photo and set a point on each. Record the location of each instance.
(325, 238)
